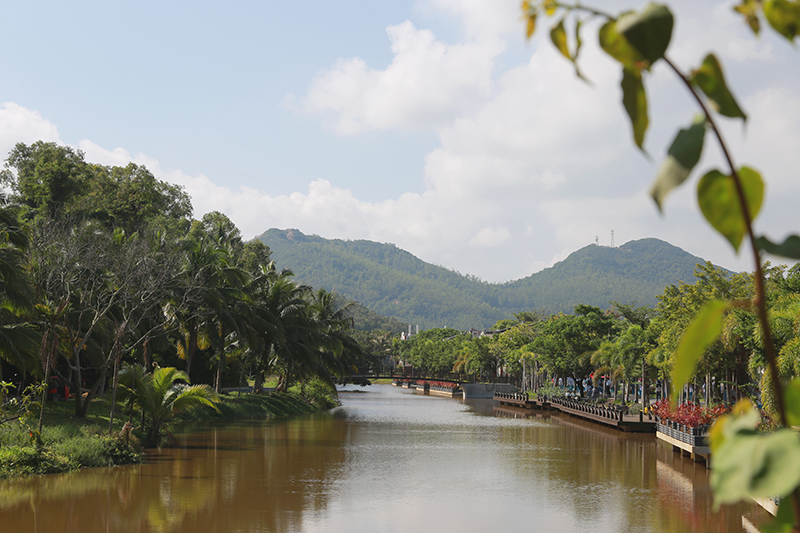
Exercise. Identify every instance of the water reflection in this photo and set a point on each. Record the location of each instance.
(247, 477)
(387, 460)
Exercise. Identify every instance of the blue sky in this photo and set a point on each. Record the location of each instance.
(431, 124)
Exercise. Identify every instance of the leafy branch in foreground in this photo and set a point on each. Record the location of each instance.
(747, 462)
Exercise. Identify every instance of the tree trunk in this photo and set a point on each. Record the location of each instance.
(282, 385)
(146, 355)
(117, 356)
(48, 363)
(190, 349)
(220, 368)
(645, 391)
(92, 392)
(77, 384)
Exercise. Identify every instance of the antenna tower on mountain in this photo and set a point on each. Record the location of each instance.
(596, 240)
(612, 238)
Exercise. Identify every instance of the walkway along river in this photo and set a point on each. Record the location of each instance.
(387, 460)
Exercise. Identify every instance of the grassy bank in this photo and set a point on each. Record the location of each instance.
(237, 406)
(69, 442)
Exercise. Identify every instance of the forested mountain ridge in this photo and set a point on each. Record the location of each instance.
(393, 282)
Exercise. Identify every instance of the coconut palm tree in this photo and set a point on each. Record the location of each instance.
(160, 396)
(339, 351)
(18, 341)
(202, 304)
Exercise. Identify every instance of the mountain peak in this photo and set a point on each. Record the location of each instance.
(393, 282)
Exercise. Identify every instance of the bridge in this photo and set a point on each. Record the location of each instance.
(466, 382)
(613, 416)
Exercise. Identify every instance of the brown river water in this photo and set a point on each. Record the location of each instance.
(387, 460)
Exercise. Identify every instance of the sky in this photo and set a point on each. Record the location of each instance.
(430, 124)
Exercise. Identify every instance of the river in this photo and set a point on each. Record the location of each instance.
(387, 460)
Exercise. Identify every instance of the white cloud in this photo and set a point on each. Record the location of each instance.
(713, 26)
(490, 237)
(427, 84)
(21, 125)
(480, 17)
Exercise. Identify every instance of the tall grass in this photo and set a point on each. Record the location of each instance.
(67, 443)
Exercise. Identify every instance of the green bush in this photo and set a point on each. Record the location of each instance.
(63, 448)
(97, 450)
(634, 408)
(317, 392)
(552, 391)
(18, 461)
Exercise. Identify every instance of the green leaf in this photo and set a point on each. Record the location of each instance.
(749, 8)
(649, 32)
(531, 26)
(784, 520)
(716, 194)
(744, 417)
(784, 17)
(704, 329)
(756, 465)
(682, 156)
(578, 41)
(617, 46)
(634, 99)
(792, 402)
(559, 37)
(790, 247)
(711, 81)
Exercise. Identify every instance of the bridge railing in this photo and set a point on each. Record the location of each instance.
(518, 396)
(435, 376)
(612, 413)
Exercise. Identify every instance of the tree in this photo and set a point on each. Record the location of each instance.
(48, 176)
(677, 307)
(96, 287)
(475, 357)
(339, 351)
(18, 339)
(159, 396)
(730, 200)
(566, 342)
(433, 350)
(129, 197)
(210, 282)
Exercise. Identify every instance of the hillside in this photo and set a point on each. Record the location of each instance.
(394, 283)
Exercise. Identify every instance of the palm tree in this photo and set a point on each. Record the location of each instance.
(201, 306)
(339, 350)
(160, 397)
(18, 341)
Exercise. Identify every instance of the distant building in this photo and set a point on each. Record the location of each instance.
(477, 333)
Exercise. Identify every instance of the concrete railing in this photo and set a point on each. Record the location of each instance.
(518, 396)
(612, 413)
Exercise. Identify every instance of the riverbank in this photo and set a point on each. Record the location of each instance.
(69, 443)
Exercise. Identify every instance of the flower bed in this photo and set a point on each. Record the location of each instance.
(687, 422)
(443, 386)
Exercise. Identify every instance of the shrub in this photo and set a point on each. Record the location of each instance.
(689, 414)
(317, 392)
(98, 450)
(17, 461)
(551, 391)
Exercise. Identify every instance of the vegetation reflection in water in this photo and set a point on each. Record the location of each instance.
(388, 460)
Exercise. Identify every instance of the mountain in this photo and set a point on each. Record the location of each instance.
(395, 283)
